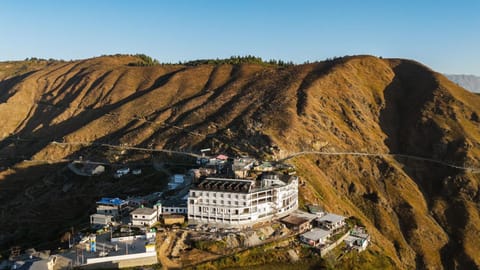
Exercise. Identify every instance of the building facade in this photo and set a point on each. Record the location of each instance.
(112, 206)
(241, 201)
(101, 219)
(144, 216)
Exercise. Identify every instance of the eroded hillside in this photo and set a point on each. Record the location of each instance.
(421, 214)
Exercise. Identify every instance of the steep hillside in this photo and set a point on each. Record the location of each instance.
(469, 82)
(422, 214)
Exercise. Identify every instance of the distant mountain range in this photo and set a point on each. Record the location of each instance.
(469, 82)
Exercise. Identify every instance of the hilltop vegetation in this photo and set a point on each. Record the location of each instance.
(420, 214)
(145, 60)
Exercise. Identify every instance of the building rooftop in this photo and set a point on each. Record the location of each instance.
(315, 209)
(294, 220)
(225, 184)
(332, 218)
(101, 215)
(304, 215)
(112, 201)
(143, 211)
(268, 181)
(316, 234)
(173, 203)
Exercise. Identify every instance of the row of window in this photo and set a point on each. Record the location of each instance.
(220, 219)
(231, 196)
(220, 195)
(174, 210)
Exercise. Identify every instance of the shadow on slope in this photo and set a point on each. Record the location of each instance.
(411, 131)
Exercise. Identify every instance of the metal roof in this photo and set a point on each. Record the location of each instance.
(332, 218)
(316, 234)
(112, 201)
(143, 211)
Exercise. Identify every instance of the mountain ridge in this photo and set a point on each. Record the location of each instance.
(421, 215)
(470, 82)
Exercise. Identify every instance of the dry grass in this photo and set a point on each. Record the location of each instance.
(359, 103)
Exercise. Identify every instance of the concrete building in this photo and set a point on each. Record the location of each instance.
(101, 219)
(242, 166)
(331, 222)
(315, 237)
(112, 206)
(358, 239)
(296, 223)
(241, 201)
(176, 181)
(177, 206)
(144, 216)
(173, 219)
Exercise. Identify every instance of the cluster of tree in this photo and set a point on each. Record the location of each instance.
(145, 61)
(236, 60)
(36, 59)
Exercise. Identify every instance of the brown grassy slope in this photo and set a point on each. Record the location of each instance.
(421, 215)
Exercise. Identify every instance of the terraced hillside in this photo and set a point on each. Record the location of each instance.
(421, 214)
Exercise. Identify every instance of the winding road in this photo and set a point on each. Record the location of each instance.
(470, 169)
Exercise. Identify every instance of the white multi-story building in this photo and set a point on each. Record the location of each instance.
(241, 201)
(144, 216)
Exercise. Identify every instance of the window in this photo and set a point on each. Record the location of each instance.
(193, 193)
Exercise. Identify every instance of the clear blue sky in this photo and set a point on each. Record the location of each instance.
(442, 34)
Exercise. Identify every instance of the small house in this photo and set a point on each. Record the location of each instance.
(101, 219)
(173, 219)
(144, 216)
(123, 171)
(176, 181)
(264, 167)
(242, 166)
(331, 222)
(315, 237)
(316, 210)
(296, 223)
(112, 206)
(358, 239)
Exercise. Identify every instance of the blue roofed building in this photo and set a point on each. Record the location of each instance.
(115, 207)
